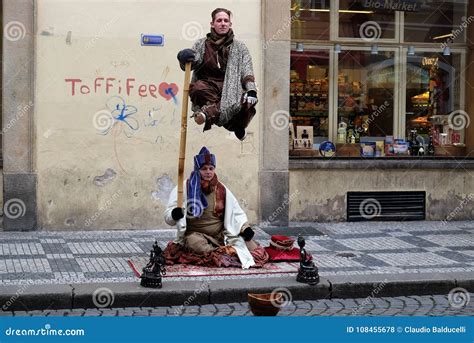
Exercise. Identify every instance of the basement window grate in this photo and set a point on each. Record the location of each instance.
(375, 206)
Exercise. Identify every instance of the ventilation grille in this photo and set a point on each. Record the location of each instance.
(366, 206)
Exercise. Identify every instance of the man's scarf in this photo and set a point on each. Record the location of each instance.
(197, 188)
(221, 44)
(207, 187)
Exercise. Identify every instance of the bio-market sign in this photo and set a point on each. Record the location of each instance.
(392, 5)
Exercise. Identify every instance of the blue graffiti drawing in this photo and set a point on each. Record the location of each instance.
(122, 115)
(169, 91)
(150, 121)
(173, 118)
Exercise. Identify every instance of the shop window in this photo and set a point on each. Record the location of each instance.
(437, 22)
(309, 97)
(391, 92)
(310, 20)
(359, 20)
(433, 98)
(366, 84)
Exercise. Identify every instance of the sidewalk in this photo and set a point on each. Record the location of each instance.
(40, 270)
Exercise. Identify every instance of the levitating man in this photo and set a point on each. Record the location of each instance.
(222, 89)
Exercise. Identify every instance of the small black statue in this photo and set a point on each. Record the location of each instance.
(308, 272)
(154, 269)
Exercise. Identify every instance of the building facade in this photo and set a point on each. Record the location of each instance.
(390, 83)
(323, 68)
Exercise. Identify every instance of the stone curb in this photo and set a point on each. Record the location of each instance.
(183, 293)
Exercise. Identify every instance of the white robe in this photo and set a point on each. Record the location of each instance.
(234, 219)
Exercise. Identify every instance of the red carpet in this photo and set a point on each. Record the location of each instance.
(187, 270)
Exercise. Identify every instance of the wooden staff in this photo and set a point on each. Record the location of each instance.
(184, 126)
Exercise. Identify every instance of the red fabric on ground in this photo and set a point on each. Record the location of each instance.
(260, 256)
(221, 257)
(281, 249)
(283, 255)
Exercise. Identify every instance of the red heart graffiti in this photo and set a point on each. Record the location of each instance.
(168, 91)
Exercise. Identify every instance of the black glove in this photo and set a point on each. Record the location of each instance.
(247, 234)
(177, 213)
(186, 55)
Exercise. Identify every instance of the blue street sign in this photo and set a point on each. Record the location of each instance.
(153, 40)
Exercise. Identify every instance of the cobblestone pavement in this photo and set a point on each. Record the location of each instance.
(437, 305)
(55, 257)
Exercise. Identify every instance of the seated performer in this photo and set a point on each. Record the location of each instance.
(215, 231)
(223, 90)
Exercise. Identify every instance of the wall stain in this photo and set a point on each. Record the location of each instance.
(275, 92)
(323, 212)
(164, 186)
(451, 207)
(49, 31)
(108, 176)
(68, 38)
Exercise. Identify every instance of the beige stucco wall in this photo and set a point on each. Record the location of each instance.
(136, 166)
(320, 194)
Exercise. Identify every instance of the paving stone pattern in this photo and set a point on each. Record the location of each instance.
(58, 257)
(437, 305)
